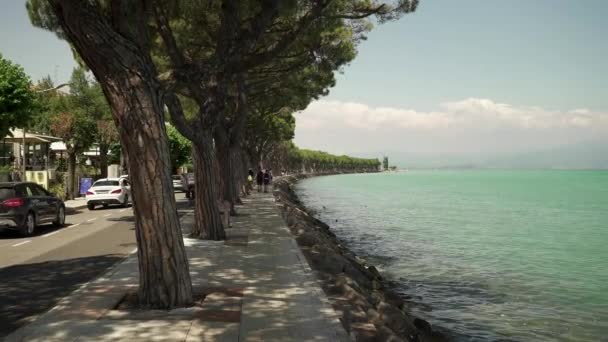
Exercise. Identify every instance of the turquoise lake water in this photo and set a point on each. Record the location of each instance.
(488, 255)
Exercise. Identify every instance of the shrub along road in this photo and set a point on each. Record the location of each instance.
(38, 271)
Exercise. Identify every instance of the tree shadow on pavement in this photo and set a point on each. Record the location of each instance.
(7, 234)
(31, 289)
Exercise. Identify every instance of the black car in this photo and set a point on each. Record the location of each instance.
(23, 206)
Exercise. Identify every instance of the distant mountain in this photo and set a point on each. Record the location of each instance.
(588, 155)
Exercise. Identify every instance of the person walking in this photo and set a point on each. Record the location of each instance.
(259, 179)
(249, 181)
(266, 179)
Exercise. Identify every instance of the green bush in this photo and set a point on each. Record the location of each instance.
(57, 189)
(5, 173)
(61, 165)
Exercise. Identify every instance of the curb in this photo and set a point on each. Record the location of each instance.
(72, 210)
(16, 334)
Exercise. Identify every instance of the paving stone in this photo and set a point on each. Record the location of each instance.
(258, 287)
(213, 332)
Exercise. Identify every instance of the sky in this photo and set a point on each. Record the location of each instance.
(466, 79)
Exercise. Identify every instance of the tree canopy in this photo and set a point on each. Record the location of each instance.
(286, 156)
(16, 97)
(227, 57)
(181, 148)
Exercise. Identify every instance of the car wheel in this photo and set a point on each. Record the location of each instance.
(60, 221)
(29, 226)
(91, 206)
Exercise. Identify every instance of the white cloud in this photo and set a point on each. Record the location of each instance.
(471, 126)
(471, 113)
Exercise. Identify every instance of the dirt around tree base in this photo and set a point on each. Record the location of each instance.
(130, 302)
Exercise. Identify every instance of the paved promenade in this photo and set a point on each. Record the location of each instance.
(258, 287)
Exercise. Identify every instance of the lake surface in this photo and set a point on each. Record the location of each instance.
(488, 255)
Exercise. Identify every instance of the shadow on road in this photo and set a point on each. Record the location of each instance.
(31, 289)
(7, 234)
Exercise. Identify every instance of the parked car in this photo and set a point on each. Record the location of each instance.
(24, 206)
(188, 184)
(107, 191)
(178, 184)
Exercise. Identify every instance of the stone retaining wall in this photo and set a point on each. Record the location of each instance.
(369, 310)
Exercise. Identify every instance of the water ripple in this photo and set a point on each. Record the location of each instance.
(489, 255)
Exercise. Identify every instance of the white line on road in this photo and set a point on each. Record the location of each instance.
(22, 243)
(74, 225)
(50, 234)
(106, 215)
(91, 220)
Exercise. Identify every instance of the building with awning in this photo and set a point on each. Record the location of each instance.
(26, 150)
(59, 147)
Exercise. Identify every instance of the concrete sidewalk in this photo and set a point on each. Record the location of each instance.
(257, 283)
(74, 205)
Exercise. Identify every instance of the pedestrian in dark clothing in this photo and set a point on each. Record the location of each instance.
(266, 178)
(259, 179)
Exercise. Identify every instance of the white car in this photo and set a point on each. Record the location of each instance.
(108, 191)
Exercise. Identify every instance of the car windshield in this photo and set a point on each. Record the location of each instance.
(106, 183)
(6, 193)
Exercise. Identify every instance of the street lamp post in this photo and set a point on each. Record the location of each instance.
(23, 156)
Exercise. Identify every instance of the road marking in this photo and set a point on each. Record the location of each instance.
(74, 225)
(22, 243)
(91, 220)
(106, 215)
(50, 234)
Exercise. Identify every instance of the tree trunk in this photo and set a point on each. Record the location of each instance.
(237, 172)
(217, 176)
(116, 51)
(164, 272)
(124, 162)
(226, 168)
(208, 221)
(71, 179)
(103, 160)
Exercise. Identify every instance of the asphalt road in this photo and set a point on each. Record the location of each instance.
(36, 272)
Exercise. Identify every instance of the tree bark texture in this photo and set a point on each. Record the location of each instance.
(224, 159)
(208, 221)
(103, 159)
(237, 172)
(115, 49)
(207, 180)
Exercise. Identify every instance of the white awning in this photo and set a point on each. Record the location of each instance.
(30, 138)
(60, 147)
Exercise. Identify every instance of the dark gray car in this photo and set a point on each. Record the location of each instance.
(24, 206)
